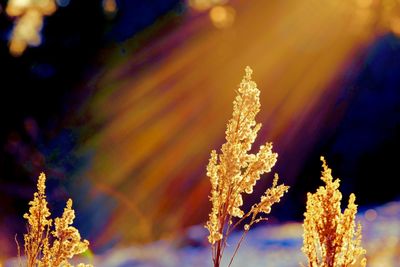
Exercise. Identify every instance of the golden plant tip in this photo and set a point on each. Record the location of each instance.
(41, 183)
(324, 164)
(275, 181)
(249, 72)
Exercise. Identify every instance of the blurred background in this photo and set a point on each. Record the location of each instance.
(120, 103)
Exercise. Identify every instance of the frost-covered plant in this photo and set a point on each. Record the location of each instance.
(46, 248)
(331, 238)
(235, 171)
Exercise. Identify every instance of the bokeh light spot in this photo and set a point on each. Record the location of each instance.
(200, 5)
(109, 6)
(371, 215)
(222, 16)
(63, 3)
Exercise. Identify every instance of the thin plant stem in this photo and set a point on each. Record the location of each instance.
(237, 247)
(18, 251)
(239, 221)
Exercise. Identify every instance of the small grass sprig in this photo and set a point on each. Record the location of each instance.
(46, 248)
(331, 238)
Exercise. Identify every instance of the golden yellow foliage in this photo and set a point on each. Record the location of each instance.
(331, 238)
(50, 249)
(235, 171)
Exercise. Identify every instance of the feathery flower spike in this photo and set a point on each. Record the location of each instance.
(235, 171)
(331, 238)
(51, 249)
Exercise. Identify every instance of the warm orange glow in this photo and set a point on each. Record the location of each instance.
(26, 32)
(162, 118)
(202, 5)
(17, 8)
(364, 3)
(395, 25)
(109, 6)
(379, 16)
(222, 16)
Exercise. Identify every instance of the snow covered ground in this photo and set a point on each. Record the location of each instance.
(277, 245)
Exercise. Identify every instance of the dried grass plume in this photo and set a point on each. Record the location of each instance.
(235, 171)
(331, 238)
(46, 248)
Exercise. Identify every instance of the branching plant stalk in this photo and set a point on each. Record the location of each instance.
(44, 248)
(331, 237)
(235, 171)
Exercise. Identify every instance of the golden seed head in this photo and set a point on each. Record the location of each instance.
(235, 171)
(331, 237)
(44, 250)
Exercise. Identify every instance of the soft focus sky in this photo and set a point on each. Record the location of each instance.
(121, 106)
